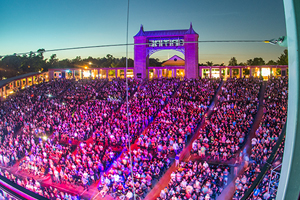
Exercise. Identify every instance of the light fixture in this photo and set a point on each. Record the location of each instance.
(281, 41)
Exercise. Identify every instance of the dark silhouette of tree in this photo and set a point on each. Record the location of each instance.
(41, 53)
(271, 62)
(53, 61)
(10, 66)
(232, 62)
(283, 58)
(202, 64)
(256, 61)
(209, 63)
(154, 62)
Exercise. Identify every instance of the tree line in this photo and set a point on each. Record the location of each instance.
(282, 60)
(14, 65)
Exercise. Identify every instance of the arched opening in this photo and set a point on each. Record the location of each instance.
(167, 64)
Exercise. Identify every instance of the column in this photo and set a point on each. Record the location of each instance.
(106, 73)
(73, 73)
(174, 72)
(140, 55)
(271, 71)
(230, 74)
(200, 72)
(191, 54)
(260, 70)
(210, 72)
(11, 85)
(241, 72)
(125, 73)
(4, 91)
(116, 73)
(51, 74)
(220, 72)
(250, 72)
(283, 72)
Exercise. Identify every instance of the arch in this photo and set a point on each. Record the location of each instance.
(153, 51)
(149, 42)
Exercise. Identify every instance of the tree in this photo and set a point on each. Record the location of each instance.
(256, 61)
(232, 62)
(283, 58)
(41, 53)
(209, 63)
(11, 65)
(154, 62)
(66, 63)
(53, 61)
(271, 62)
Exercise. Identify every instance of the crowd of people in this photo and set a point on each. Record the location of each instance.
(226, 130)
(55, 157)
(24, 116)
(273, 120)
(145, 168)
(176, 123)
(196, 180)
(33, 185)
(146, 103)
(44, 114)
(267, 188)
(177, 118)
(75, 131)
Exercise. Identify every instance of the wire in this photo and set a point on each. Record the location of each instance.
(132, 44)
(127, 106)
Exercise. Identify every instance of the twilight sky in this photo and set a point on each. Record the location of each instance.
(31, 25)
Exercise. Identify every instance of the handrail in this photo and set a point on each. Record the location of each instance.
(18, 191)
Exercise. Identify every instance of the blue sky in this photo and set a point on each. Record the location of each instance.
(31, 25)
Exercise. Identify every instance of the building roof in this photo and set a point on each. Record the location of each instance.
(174, 61)
(6, 81)
(166, 32)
